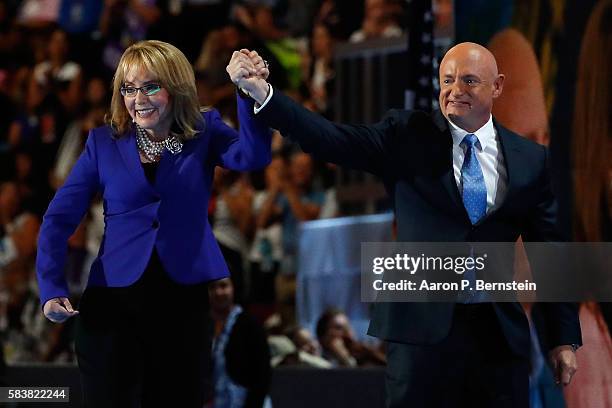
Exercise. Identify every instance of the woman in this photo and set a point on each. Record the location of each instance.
(141, 334)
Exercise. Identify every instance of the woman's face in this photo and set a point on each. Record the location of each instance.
(58, 45)
(151, 112)
(96, 91)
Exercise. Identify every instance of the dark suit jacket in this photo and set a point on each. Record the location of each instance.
(412, 152)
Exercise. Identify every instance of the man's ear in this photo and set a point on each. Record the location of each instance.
(498, 85)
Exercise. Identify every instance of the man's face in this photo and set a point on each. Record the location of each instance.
(468, 84)
(301, 169)
(340, 326)
(221, 294)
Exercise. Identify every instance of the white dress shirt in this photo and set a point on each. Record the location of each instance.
(257, 107)
(490, 157)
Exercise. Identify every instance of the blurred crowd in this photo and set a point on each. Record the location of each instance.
(56, 62)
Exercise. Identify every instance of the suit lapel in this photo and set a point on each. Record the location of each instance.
(510, 150)
(448, 176)
(512, 158)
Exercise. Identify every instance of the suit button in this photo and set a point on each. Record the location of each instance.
(155, 224)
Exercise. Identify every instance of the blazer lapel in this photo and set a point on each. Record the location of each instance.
(166, 163)
(129, 153)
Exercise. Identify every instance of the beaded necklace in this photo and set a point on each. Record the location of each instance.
(153, 150)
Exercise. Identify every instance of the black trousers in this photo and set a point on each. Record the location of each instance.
(472, 367)
(146, 345)
(233, 259)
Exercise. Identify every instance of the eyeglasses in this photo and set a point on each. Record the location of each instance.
(147, 90)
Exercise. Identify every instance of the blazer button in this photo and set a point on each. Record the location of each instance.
(155, 224)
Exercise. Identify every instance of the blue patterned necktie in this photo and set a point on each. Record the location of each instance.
(475, 202)
(472, 179)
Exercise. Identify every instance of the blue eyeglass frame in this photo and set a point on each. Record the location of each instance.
(153, 89)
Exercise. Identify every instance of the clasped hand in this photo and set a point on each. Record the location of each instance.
(249, 72)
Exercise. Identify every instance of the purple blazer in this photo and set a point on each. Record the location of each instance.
(171, 216)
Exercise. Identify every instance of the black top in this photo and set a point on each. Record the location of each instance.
(155, 269)
(150, 170)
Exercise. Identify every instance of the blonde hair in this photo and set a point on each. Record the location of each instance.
(174, 73)
(592, 134)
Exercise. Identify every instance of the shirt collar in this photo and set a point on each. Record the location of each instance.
(485, 135)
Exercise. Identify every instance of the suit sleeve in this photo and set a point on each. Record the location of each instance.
(363, 147)
(63, 215)
(559, 321)
(243, 150)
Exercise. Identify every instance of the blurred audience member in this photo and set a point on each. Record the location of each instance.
(267, 249)
(39, 13)
(217, 48)
(290, 201)
(299, 16)
(321, 72)
(123, 23)
(72, 144)
(196, 18)
(380, 21)
(80, 16)
(304, 341)
(264, 22)
(233, 223)
(340, 345)
(57, 79)
(296, 348)
(343, 17)
(241, 357)
(19, 229)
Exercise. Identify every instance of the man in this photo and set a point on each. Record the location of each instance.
(454, 175)
(241, 357)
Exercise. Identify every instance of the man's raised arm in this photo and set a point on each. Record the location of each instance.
(369, 148)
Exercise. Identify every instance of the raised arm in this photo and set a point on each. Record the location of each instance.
(364, 147)
(249, 148)
(369, 148)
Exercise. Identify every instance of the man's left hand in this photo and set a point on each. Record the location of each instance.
(564, 364)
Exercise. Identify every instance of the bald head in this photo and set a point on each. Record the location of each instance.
(476, 54)
(469, 81)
